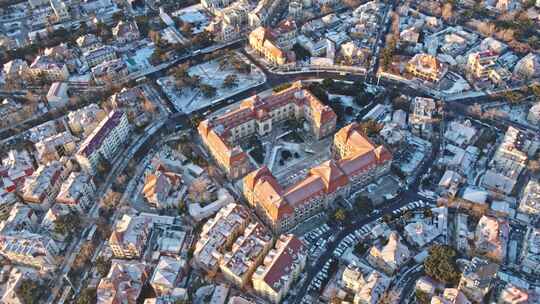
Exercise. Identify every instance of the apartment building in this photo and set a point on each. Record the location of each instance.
(509, 161)
(129, 237)
(94, 57)
(422, 116)
(125, 32)
(83, 121)
(14, 69)
(491, 238)
(356, 162)
(30, 249)
(40, 189)
(390, 257)
(427, 67)
(169, 272)
(77, 192)
(88, 41)
(48, 68)
(256, 116)
(280, 268)
(123, 283)
(476, 279)
(246, 254)
(219, 233)
(373, 290)
(528, 67)
(21, 218)
(275, 44)
(104, 141)
(481, 63)
(530, 257)
(54, 147)
(110, 72)
(530, 199)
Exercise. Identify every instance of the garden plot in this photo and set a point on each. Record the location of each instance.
(212, 78)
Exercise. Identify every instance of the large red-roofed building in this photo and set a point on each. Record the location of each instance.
(257, 115)
(356, 162)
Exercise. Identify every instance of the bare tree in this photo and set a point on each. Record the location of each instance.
(505, 35)
(447, 11)
(486, 28)
(534, 166)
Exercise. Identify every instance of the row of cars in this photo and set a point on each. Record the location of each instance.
(321, 277)
(411, 206)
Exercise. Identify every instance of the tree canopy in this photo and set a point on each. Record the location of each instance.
(441, 264)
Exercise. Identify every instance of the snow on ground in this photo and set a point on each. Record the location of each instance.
(461, 85)
(140, 60)
(346, 101)
(195, 15)
(190, 100)
(517, 113)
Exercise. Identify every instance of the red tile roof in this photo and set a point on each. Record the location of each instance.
(281, 265)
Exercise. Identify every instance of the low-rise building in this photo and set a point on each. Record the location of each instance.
(281, 267)
(534, 114)
(450, 296)
(481, 63)
(461, 133)
(103, 143)
(13, 111)
(390, 257)
(422, 232)
(514, 295)
(14, 70)
(123, 283)
(88, 41)
(373, 290)
(77, 192)
(161, 189)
